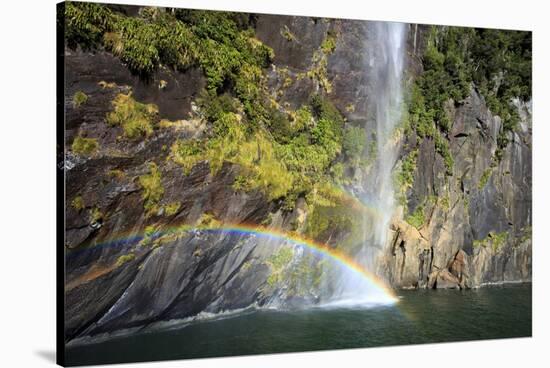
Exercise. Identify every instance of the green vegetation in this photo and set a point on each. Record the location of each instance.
(319, 62)
(305, 275)
(302, 119)
(326, 219)
(221, 43)
(79, 98)
(151, 230)
(329, 43)
(289, 36)
(208, 220)
(78, 203)
(117, 174)
(152, 189)
(445, 202)
(498, 63)
(125, 258)
(137, 119)
(484, 178)
(172, 208)
(277, 263)
(84, 146)
(254, 154)
(288, 168)
(86, 23)
(408, 168)
(353, 142)
(442, 147)
(493, 239)
(96, 215)
(418, 217)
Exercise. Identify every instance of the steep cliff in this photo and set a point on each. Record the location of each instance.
(263, 119)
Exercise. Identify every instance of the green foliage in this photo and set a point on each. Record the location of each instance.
(445, 203)
(282, 157)
(137, 119)
(322, 108)
(493, 239)
(329, 43)
(84, 146)
(187, 153)
(408, 168)
(442, 147)
(305, 275)
(221, 43)
(117, 174)
(78, 203)
(152, 189)
(328, 134)
(319, 62)
(96, 215)
(330, 214)
(125, 258)
(79, 98)
(277, 263)
(281, 167)
(418, 217)
(498, 62)
(302, 119)
(256, 155)
(213, 106)
(285, 32)
(326, 219)
(263, 169)
(280, 127)
(171, 208)
(151, 230)
(484, 178)
(421, 119)
(85, 24)
(353, 142)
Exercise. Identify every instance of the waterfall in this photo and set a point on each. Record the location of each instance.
(387, 104)
(384, 65)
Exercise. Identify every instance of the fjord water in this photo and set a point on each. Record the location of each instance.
(421, 316)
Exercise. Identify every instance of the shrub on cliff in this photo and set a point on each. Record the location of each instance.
(152, 189)
(137, 119)
(84, 146)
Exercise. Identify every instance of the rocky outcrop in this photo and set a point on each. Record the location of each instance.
(480, 216)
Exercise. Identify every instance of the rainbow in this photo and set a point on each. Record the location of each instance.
(261, 231)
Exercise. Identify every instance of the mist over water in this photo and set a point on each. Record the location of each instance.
(384, 66)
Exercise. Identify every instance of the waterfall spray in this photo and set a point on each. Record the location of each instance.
(384, 64)
(387, 104)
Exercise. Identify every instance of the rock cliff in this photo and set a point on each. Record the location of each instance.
(128, 184)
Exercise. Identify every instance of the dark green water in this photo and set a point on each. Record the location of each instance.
(420, 317)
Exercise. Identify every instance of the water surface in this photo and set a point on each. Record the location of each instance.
(424, 316)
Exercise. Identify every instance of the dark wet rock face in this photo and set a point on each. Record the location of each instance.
(125, 270)
(84, 70)
(479, 219)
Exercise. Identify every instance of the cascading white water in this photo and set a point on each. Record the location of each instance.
(387, 103)
(384, 65)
